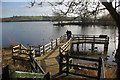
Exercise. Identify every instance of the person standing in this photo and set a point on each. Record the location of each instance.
(69, 33)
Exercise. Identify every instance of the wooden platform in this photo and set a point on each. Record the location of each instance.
(49, 59)
(49, 62)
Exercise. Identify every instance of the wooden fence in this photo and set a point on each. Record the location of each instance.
(12, 74)
(21, 53)
(36, 50)
(65, 62)
(91, 38)
(42, 50)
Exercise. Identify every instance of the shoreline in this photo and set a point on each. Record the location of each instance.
(85, 24)
(69, 23)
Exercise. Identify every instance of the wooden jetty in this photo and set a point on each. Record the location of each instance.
(54, 57)
(91, 39)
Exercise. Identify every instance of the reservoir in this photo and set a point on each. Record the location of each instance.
(41, 33)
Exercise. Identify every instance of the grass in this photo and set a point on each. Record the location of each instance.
(7, 60)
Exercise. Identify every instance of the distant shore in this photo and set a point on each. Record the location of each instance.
(85, 24)
(69, 23)
(60, 22)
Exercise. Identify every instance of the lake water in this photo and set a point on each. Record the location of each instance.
(41, 33)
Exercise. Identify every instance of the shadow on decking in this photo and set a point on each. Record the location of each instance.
(44, 64)
(58, 75)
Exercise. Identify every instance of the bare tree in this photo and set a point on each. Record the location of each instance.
(116, 17)
(84, 8)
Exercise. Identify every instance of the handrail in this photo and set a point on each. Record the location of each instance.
(102, 70)
(105, 37)
(12, 74)
(67, 64)
(20, 49)
(45, 48)
(37, 66)
(66, 45)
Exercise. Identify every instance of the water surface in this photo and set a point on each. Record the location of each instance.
(41, 33)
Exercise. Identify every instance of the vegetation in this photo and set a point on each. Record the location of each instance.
(103, 20)
(33, 18)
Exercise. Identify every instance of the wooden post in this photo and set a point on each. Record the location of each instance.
(31, 60)
(31, 50)
(99, 68)
(20, 48)
(39, 50)
(77, 47)
(47, 76)
(13, 56)
(85, 45)
(67, 64)
(36, 66)
(82, 46)
(30, 47)
(93, 44)
(71, 48)
(105, 48)
(60, 39)
(52, 45)
(6, 73)
(60, 61)
(56, 42)
(43, 49)
(92, 47)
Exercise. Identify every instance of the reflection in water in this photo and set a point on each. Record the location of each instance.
(40, 33)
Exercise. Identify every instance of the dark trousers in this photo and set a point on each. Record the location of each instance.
(68, 37)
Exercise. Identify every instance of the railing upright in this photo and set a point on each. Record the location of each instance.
(99, 68)
(60, 61)
(52, 45)
(44, 50)
(20, 48)
(102, 70)
(56, 42)
(67, 64)
(39, 50)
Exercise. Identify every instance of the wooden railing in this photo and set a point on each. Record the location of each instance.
(102, 70)
(100, 38)
(21, 53)
(66, 46)
(65, 60)
(65, 65)
(42, 50)
(20, 50)
(35, 66)
(12, 74)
